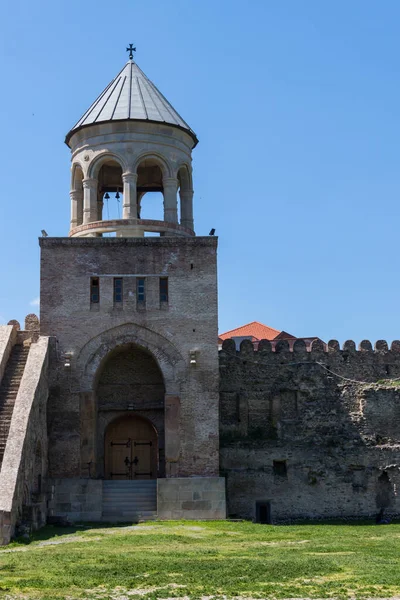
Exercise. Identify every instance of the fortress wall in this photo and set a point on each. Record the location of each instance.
(317, 434)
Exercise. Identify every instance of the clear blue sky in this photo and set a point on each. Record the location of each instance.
(296, 105)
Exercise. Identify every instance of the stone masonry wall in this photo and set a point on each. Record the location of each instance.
(76, 499)
(316, 434)
(191, 498)
(8, 335)
(87, 334)
(24, 467)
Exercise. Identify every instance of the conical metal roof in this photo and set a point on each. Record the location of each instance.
(131, 96)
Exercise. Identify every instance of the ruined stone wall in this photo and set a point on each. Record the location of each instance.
(86, 334)
(316, 434)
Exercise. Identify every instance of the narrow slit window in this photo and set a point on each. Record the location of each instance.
(94, 290)
(118, 290)
(141, 290)
(163, 289)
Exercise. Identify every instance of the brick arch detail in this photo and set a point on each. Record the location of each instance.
(169, 360)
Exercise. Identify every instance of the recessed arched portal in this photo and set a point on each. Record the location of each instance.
(130, 395)
(131, 449)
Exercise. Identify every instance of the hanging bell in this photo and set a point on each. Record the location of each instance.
(117, 195)
(107, 196)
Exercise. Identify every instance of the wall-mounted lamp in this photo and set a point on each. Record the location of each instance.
(193, 360)
(67, 360)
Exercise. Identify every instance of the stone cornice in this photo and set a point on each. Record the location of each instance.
(169, 242)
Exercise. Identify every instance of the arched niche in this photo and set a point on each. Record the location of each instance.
(129, 385)
(129, 373)
(90, 364)
(95, 352)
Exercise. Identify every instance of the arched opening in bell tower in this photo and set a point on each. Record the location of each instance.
(130, 415)
(109, 191)
(124, 200)
(150, 189)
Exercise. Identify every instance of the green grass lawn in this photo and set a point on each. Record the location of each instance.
(198, 559)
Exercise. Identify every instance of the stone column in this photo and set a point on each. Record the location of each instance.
(139, 197)
(76, 207)
(187, 208)
(89, 200)
(80, 206)
(170, 185)
(100, 204)
(129, 210)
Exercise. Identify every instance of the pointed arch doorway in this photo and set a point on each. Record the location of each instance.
(131, 449)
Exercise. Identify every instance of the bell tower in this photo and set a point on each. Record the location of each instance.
(129, 142)
(132, 302)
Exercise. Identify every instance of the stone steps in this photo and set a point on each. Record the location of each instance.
(9, 387)
(129, 500)
(123, 497)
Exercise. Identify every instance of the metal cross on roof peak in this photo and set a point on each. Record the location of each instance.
(131, 50)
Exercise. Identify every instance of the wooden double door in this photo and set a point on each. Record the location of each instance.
(131, 449)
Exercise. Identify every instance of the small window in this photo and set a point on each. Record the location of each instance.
(280, 468)
(94, 290)
(141, 290)
(118, 290)
(163, 289)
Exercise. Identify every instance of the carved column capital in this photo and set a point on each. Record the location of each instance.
(76, 194)
(90, 184)
(186, 193)
(170, 182)
(129, 177)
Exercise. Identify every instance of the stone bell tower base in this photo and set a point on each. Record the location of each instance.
(181, 498)
(95, 382)
(191, 498)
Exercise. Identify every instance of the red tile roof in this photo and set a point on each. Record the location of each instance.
(255, 329)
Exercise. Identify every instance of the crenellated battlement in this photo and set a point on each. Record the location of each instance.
(314, 428)
(317, 347)
(367, 364)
